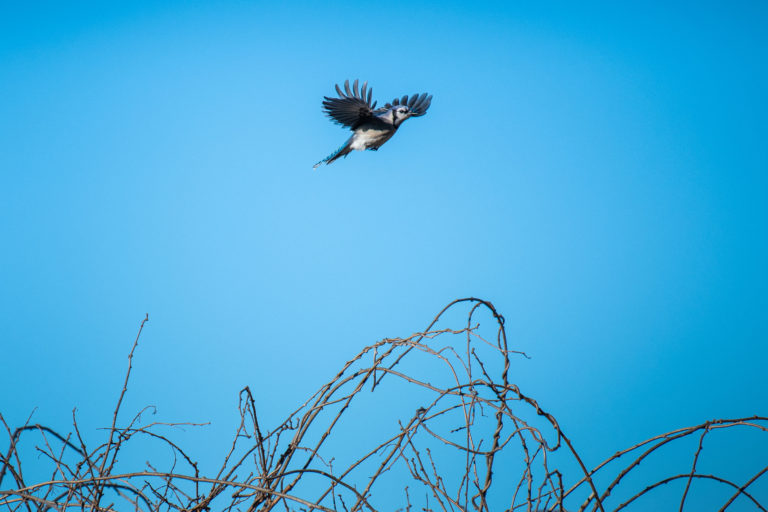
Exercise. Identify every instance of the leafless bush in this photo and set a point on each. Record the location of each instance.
(461, 437)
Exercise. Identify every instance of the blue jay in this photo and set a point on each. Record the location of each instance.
(371, 127)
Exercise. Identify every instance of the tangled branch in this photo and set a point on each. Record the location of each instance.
(461, 437)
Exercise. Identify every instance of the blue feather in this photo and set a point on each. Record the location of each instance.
(335, 154)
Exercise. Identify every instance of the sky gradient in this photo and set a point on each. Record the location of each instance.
(596, 170)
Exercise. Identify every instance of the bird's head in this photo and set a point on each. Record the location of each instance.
(400, 113)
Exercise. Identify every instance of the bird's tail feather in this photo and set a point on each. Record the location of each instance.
(342, 151)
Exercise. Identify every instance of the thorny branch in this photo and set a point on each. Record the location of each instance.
(459, 429)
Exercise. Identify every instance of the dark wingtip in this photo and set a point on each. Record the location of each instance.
(420, 104)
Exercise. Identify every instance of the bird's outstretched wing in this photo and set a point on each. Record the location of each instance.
(353, 107)
(418, 103)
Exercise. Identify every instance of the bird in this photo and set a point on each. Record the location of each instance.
(371, 127)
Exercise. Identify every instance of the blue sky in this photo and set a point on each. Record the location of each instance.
(596, 170)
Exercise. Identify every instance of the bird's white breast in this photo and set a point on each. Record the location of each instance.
(370, 138)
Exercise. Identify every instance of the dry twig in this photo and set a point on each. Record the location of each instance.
(459, 428)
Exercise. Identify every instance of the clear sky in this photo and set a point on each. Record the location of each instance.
(597, 170)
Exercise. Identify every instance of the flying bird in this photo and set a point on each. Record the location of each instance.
(371, 127)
